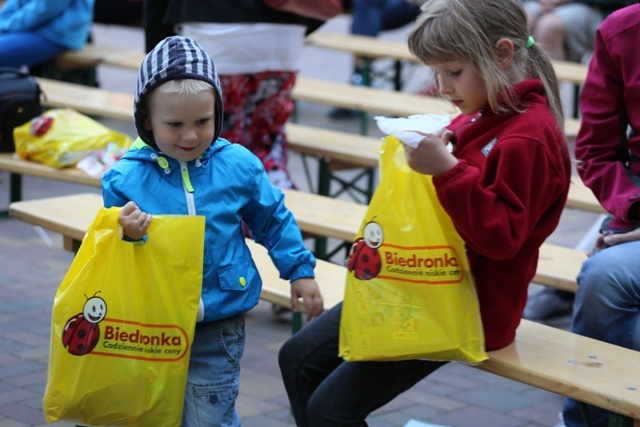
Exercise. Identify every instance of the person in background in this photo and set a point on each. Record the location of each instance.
(507, 140)
(566, 30)
(607, 149)
(370, 18)
(34, 31)
(258, 54)
(179, 165)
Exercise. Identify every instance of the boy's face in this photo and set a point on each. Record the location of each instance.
(459, 82)
(182, 125)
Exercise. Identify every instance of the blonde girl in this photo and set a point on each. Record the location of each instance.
(504, 186)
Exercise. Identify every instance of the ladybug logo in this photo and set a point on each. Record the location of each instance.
(364, 257)
(40, 125)
(82, 332)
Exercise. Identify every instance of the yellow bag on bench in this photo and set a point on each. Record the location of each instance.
(62, 137)
(123, 323)
(409, 291)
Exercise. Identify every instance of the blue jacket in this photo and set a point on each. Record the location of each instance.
(63, 22)
(228, 186)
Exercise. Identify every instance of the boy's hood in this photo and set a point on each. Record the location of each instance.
(173, 58)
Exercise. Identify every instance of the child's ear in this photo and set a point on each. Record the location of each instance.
(146, 121)
(504, 52)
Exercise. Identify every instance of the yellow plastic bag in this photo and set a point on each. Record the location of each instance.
(123, 324)
(409, 292)
(62, 137)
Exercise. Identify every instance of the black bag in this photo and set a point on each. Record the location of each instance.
(19, 103)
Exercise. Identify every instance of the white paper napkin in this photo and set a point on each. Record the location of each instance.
(407, 129)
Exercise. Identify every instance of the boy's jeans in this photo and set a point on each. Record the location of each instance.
(607, 308)
(214, 374)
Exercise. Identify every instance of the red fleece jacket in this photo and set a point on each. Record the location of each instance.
(505, 198)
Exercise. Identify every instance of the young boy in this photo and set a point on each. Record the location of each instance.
(179, 165)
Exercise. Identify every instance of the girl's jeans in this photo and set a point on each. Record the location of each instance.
(214, 374)
(326, 391)
(607, 308)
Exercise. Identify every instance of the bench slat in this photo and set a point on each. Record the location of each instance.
(363, 151)
(377, 48)
(366, 46)
(571, 365)
(317, 215)
(13, 163)
(120, 106)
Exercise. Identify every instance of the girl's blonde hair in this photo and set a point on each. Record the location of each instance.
(468, 30)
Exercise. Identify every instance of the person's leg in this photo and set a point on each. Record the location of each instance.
(18, 49)
(326, 391)
(568, 32)
(367, 17)
(213, 380)
(608, 309)
(548, 304)
(398, 13)
(533, 11)
(549, 32)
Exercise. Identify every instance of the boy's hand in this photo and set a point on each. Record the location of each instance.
(308, 290)
(133, 221)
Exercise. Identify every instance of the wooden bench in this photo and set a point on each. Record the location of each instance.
(590, 371)
(361, 98)
(364, 151)
(119, 105)
(377, 48)
(92, 55)
(364, 46)
(354, 151)
(324, 217)
(369, 48)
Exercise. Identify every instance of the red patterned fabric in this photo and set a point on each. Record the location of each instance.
(256, 110)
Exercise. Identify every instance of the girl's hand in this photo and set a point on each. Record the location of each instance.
(608, 238)
(308, 290)
(133, 221)
(431, 156)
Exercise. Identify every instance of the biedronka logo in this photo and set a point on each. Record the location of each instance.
(371, 258)
(91, 332)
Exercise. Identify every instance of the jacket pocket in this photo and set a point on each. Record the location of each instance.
(238, 277)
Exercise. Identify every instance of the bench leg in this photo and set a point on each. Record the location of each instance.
(15, 189)
(576, 102)
(397, 75)
(617, 420)
(296, 322)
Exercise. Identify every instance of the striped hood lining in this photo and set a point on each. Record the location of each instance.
(174, 58)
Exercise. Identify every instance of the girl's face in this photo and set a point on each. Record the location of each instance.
(182, 125)
(459, 82)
